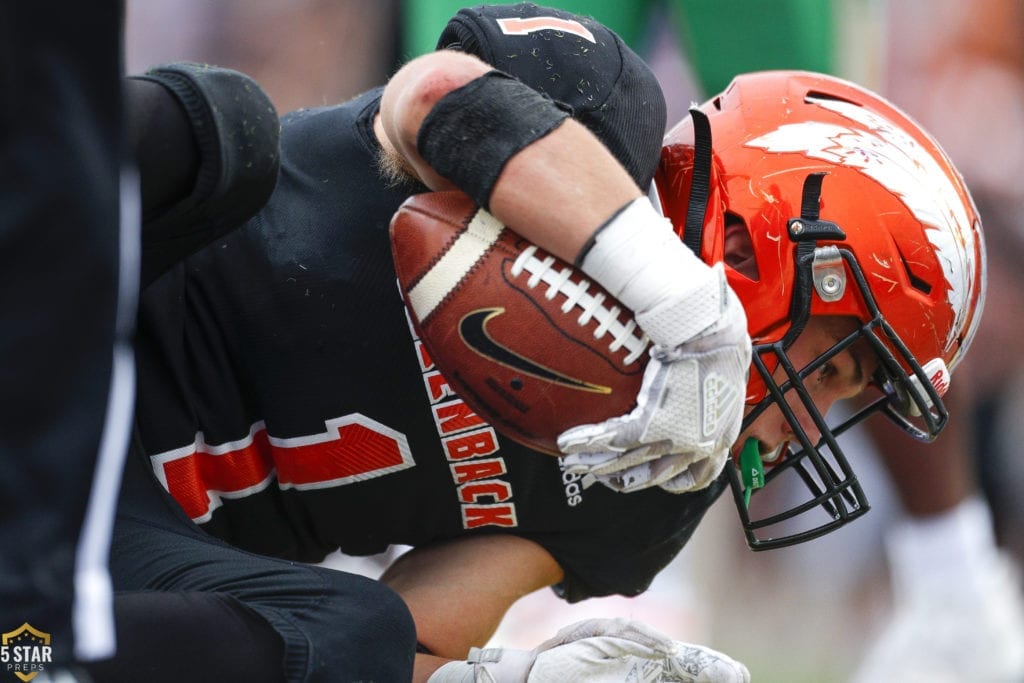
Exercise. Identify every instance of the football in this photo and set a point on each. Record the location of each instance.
(523, 338)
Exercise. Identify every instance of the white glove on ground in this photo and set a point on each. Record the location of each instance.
(598, 651)
(690, 406)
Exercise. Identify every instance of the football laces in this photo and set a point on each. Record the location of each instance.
(592, 304)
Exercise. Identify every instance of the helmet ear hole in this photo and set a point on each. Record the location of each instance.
(739, 248)
(916, 282)
(819, 95)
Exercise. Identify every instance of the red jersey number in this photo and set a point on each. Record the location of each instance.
(353, 448)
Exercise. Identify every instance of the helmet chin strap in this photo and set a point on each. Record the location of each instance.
(806, 231)
(700, 184)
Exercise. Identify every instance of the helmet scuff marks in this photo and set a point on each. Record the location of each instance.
(895, 160)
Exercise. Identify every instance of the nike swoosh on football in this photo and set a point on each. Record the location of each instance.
(473, 329)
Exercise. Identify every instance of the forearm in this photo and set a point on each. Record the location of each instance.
(459, 591)
(547, 177)
(573, 182)
(574, 185)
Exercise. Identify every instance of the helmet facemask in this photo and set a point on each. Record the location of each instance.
(820, 465)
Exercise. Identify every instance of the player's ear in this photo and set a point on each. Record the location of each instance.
(739, 249)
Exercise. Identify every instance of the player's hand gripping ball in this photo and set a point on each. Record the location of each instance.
(529, 343)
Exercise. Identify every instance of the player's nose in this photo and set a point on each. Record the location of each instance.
(803, 422)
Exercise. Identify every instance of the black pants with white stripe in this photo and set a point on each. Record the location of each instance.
(66, 310)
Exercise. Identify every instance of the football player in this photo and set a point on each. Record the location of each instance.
(947, 518)
(288, 409)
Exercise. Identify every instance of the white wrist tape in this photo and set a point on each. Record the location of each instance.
(640, 260)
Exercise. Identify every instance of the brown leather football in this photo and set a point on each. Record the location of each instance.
(522, 337)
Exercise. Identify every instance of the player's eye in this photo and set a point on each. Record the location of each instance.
(825, 372)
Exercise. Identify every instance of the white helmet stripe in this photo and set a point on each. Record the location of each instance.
(885, 153)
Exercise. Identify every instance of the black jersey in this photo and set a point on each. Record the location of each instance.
(287, 404)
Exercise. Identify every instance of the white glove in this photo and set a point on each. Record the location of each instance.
(644, 467)
(598, 651)
(690, 406)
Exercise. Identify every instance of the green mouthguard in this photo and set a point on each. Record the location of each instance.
(751, 469)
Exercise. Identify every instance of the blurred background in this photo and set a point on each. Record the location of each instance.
(806, 613)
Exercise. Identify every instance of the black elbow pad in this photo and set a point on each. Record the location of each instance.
(237, 132)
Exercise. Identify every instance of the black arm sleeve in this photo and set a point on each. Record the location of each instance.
(162, 143)
(208, 157)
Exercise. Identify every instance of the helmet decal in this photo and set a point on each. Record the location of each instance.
(884, 152)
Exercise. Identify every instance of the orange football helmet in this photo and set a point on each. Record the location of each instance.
(852, 210)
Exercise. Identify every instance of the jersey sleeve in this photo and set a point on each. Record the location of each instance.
(236, 130)
(624, 556)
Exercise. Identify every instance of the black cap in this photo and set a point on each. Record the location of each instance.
(581, 65)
